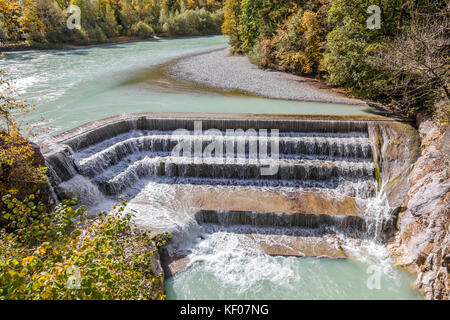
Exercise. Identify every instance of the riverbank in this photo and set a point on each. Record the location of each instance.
(26, 45)
(221, 70)
(30, 45)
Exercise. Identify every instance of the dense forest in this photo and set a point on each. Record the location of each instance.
(44, 21)
(403, 63)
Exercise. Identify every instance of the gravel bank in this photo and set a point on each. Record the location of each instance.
(220, 70)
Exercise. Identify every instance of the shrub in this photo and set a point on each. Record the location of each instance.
(96, 34)
(142, 30)
(51, 256)
(198, 22)
(80, 36)
(169, 27)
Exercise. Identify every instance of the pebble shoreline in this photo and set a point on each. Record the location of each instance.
(223, 71)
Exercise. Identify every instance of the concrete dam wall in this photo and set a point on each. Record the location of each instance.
(325, 175)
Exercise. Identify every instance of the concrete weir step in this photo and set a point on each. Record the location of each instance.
(307, 147)
(101, 130)
(327, 246)
(197, 198)
(356, 224)
(278, 170)
(260, 200)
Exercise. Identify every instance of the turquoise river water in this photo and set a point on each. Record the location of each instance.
(72, 87)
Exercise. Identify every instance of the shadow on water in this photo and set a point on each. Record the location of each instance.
(69, 52)
(17, 56)
(376, 112)
(158, 78)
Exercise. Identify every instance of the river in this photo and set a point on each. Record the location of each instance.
(72, 87)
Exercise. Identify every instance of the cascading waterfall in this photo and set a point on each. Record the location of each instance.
(324, 183)
(115, 158)
(82, 188)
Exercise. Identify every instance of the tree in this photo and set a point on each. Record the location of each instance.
(16, 152)
(51, 15)
(416, 65)
(248, 23)
(230, 27)
(10, 12)
(31, 25)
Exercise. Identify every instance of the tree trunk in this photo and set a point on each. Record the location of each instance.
(400, 16)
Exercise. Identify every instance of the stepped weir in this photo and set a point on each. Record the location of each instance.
(208, 169)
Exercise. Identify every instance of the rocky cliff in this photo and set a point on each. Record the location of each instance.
(416, 181)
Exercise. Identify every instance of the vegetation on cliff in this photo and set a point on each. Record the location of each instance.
(402, 63)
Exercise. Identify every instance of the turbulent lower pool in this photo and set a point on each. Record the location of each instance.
(72, 87)
(225, 267)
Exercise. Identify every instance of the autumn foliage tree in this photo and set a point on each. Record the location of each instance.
(18, 167)
(230, 26)
(29, 20)
(43, 21)
(10, 12)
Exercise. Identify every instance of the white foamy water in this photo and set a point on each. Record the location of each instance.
(224, 265)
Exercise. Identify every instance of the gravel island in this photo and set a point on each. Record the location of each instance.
(221, 70)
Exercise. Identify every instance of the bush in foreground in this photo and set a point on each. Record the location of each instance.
(63, 255)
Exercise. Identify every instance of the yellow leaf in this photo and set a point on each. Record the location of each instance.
(12, 272)
(27, 260)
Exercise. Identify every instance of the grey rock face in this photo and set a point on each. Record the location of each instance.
(423, 241)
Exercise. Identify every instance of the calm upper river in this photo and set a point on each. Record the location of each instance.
(71, 87)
